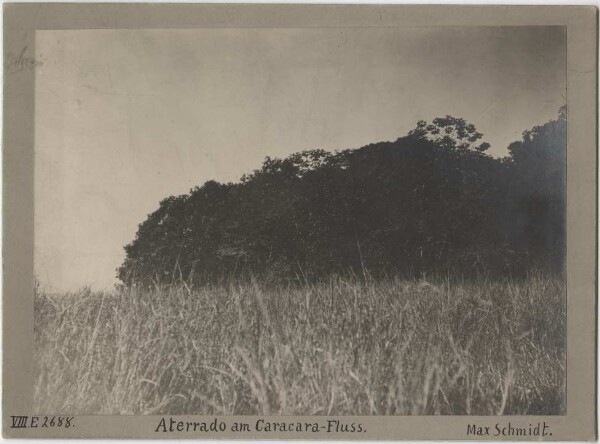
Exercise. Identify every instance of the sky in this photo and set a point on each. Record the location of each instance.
(126, 118)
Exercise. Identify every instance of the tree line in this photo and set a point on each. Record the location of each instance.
(432, 201)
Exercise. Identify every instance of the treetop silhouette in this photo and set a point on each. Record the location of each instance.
(431, 201)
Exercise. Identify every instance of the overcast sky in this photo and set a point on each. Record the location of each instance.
(126, 118)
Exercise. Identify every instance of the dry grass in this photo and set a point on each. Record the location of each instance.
(343, 347)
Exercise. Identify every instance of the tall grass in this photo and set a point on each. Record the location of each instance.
(342, 347)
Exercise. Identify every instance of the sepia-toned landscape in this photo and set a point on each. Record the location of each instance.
(257, 335)
(422, 275)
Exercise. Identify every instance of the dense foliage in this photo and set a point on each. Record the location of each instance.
(428, 202)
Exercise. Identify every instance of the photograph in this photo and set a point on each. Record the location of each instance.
(320, 222)
(300, 221)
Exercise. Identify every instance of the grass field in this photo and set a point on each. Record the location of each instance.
(344, 347)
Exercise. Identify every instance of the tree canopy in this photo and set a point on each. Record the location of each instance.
(431, 201)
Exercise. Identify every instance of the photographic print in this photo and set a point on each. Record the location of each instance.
(326, 222)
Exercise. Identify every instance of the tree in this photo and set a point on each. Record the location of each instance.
(451, 133)
(431, 201)
(538, 179)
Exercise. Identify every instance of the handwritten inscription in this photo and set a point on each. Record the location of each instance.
(508, 429)
(18, 62)
(34, 422)
(261, 425)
